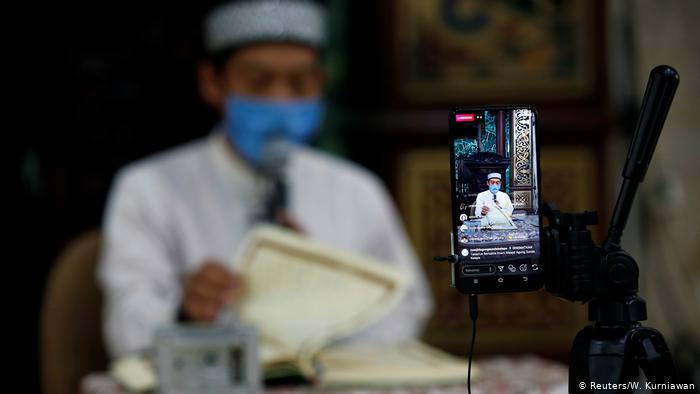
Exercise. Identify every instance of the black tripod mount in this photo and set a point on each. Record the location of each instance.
(606, 356)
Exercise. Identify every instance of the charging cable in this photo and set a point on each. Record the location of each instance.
(473, 315)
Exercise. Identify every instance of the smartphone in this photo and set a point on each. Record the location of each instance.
(496, 204)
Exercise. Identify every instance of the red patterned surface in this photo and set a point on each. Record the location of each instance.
(527, 374)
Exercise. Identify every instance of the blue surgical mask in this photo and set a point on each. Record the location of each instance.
(252, 123)
(494, 188)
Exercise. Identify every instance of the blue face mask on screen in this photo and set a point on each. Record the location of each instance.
(494, 188)
(252, 123)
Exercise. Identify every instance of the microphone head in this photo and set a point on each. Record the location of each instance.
(275, 157)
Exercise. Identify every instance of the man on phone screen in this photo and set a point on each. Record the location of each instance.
(493, 198)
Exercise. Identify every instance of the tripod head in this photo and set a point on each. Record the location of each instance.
(617, 345)
(579, 270)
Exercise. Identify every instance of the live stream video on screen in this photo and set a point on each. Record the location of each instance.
(496, 181)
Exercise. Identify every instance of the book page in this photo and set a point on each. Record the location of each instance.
(301, 294)
(499, 220)
(410, 364)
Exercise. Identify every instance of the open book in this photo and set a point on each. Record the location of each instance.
(303, 295)
(497, 219)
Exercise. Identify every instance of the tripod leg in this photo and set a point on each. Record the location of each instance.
(600, 360)
(650, 348)
(578, 365)
(606, 358)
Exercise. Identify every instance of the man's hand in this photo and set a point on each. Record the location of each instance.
(209, 289)
(484, 210)
(283, 218)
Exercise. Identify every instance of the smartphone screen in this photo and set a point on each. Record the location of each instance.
(496, 223)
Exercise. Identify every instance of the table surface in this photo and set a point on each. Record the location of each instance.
(524, 374)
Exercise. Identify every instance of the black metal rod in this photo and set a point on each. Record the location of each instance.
(663, 81)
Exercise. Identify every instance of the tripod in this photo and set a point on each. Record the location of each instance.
(607, 356)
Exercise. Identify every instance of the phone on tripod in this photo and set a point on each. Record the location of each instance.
(496, 216)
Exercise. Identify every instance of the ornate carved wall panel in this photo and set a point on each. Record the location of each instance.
(522, 152)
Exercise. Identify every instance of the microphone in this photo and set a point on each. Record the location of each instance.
(275, 158)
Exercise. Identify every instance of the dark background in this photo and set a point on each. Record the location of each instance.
(100, 84)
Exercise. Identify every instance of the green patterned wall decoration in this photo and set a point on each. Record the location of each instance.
(335, 61)
(488, 137)
(464, 147)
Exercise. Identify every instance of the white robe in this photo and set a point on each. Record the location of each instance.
(169, 213)
(485, 198)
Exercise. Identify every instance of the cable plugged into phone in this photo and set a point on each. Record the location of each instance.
(473, 315)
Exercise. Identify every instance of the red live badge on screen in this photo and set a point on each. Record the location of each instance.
(464, 117)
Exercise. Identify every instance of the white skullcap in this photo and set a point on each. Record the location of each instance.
(246, 22)
(494, 175)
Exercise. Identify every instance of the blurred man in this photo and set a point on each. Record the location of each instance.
(175, 220)
(493, 197)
